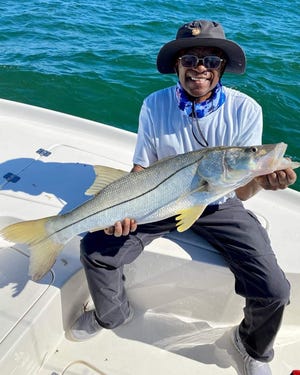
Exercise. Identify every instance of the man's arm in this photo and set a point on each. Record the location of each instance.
(273, 181)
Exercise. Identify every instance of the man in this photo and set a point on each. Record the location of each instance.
(198, 112)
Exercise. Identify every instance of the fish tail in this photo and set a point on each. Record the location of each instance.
(44, 249)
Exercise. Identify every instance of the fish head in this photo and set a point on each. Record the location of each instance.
(236, 166)
(257, 160)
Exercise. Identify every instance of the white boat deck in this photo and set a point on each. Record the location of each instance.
(181, 290)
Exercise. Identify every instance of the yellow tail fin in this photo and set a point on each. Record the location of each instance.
(43, 249)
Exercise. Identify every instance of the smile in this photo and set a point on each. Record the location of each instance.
(199, 79)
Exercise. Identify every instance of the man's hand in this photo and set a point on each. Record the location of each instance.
(277, 180)
(122, 228)
(273, 181)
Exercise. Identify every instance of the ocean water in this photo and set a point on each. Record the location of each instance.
(97, 59)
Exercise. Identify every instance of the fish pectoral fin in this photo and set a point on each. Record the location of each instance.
(104, 177)
(186, 217)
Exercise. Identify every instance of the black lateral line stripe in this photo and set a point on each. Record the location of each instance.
(118, 204)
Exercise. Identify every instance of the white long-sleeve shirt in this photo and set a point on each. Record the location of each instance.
(165, 130)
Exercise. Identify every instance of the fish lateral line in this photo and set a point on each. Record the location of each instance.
(120, 203)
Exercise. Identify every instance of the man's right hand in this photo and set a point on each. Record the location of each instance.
(122, 228)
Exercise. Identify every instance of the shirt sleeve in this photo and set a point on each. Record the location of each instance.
(145, 149)
(251, 118)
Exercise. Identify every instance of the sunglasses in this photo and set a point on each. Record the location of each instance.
(192, 61)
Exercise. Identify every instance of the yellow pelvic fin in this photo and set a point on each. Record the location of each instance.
(43, 249)
(186, 217)
(104, 177)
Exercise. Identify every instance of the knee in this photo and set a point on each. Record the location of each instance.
(109, 251)
(283, 292)
(279, 291)
(274, 287)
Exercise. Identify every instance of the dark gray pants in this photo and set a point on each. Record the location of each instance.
(235, 233)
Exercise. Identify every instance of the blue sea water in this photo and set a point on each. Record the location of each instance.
(97, 59)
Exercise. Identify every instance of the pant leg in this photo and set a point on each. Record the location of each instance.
(244, 243)
(103, 258)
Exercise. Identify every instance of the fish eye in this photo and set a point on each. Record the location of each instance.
(252, 149)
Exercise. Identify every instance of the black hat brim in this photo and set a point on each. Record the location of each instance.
(166, 58)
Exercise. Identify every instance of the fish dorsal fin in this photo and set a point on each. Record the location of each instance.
(104, 176)
(186, 217)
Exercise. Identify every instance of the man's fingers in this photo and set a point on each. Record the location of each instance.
(122, 228)
(133, 225)
(277, 180)
(109, 231)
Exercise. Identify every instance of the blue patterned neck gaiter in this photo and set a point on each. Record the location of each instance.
(201, 109)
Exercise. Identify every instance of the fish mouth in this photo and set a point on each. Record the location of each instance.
(272, 158)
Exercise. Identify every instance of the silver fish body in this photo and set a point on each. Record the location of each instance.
(179, 186)
(162, 190)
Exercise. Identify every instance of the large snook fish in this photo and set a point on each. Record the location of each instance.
(180, 186)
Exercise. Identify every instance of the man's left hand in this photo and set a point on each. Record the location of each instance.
(277, 180)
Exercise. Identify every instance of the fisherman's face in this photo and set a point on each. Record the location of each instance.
(199, 81)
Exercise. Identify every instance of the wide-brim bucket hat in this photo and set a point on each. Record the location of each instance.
(201, 34)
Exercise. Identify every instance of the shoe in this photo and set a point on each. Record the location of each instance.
(250, 365)
(87, 326)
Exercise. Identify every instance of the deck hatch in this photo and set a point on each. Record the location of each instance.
(43, 152)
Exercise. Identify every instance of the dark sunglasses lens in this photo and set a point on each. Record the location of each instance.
(212, 62)
(189, 61)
